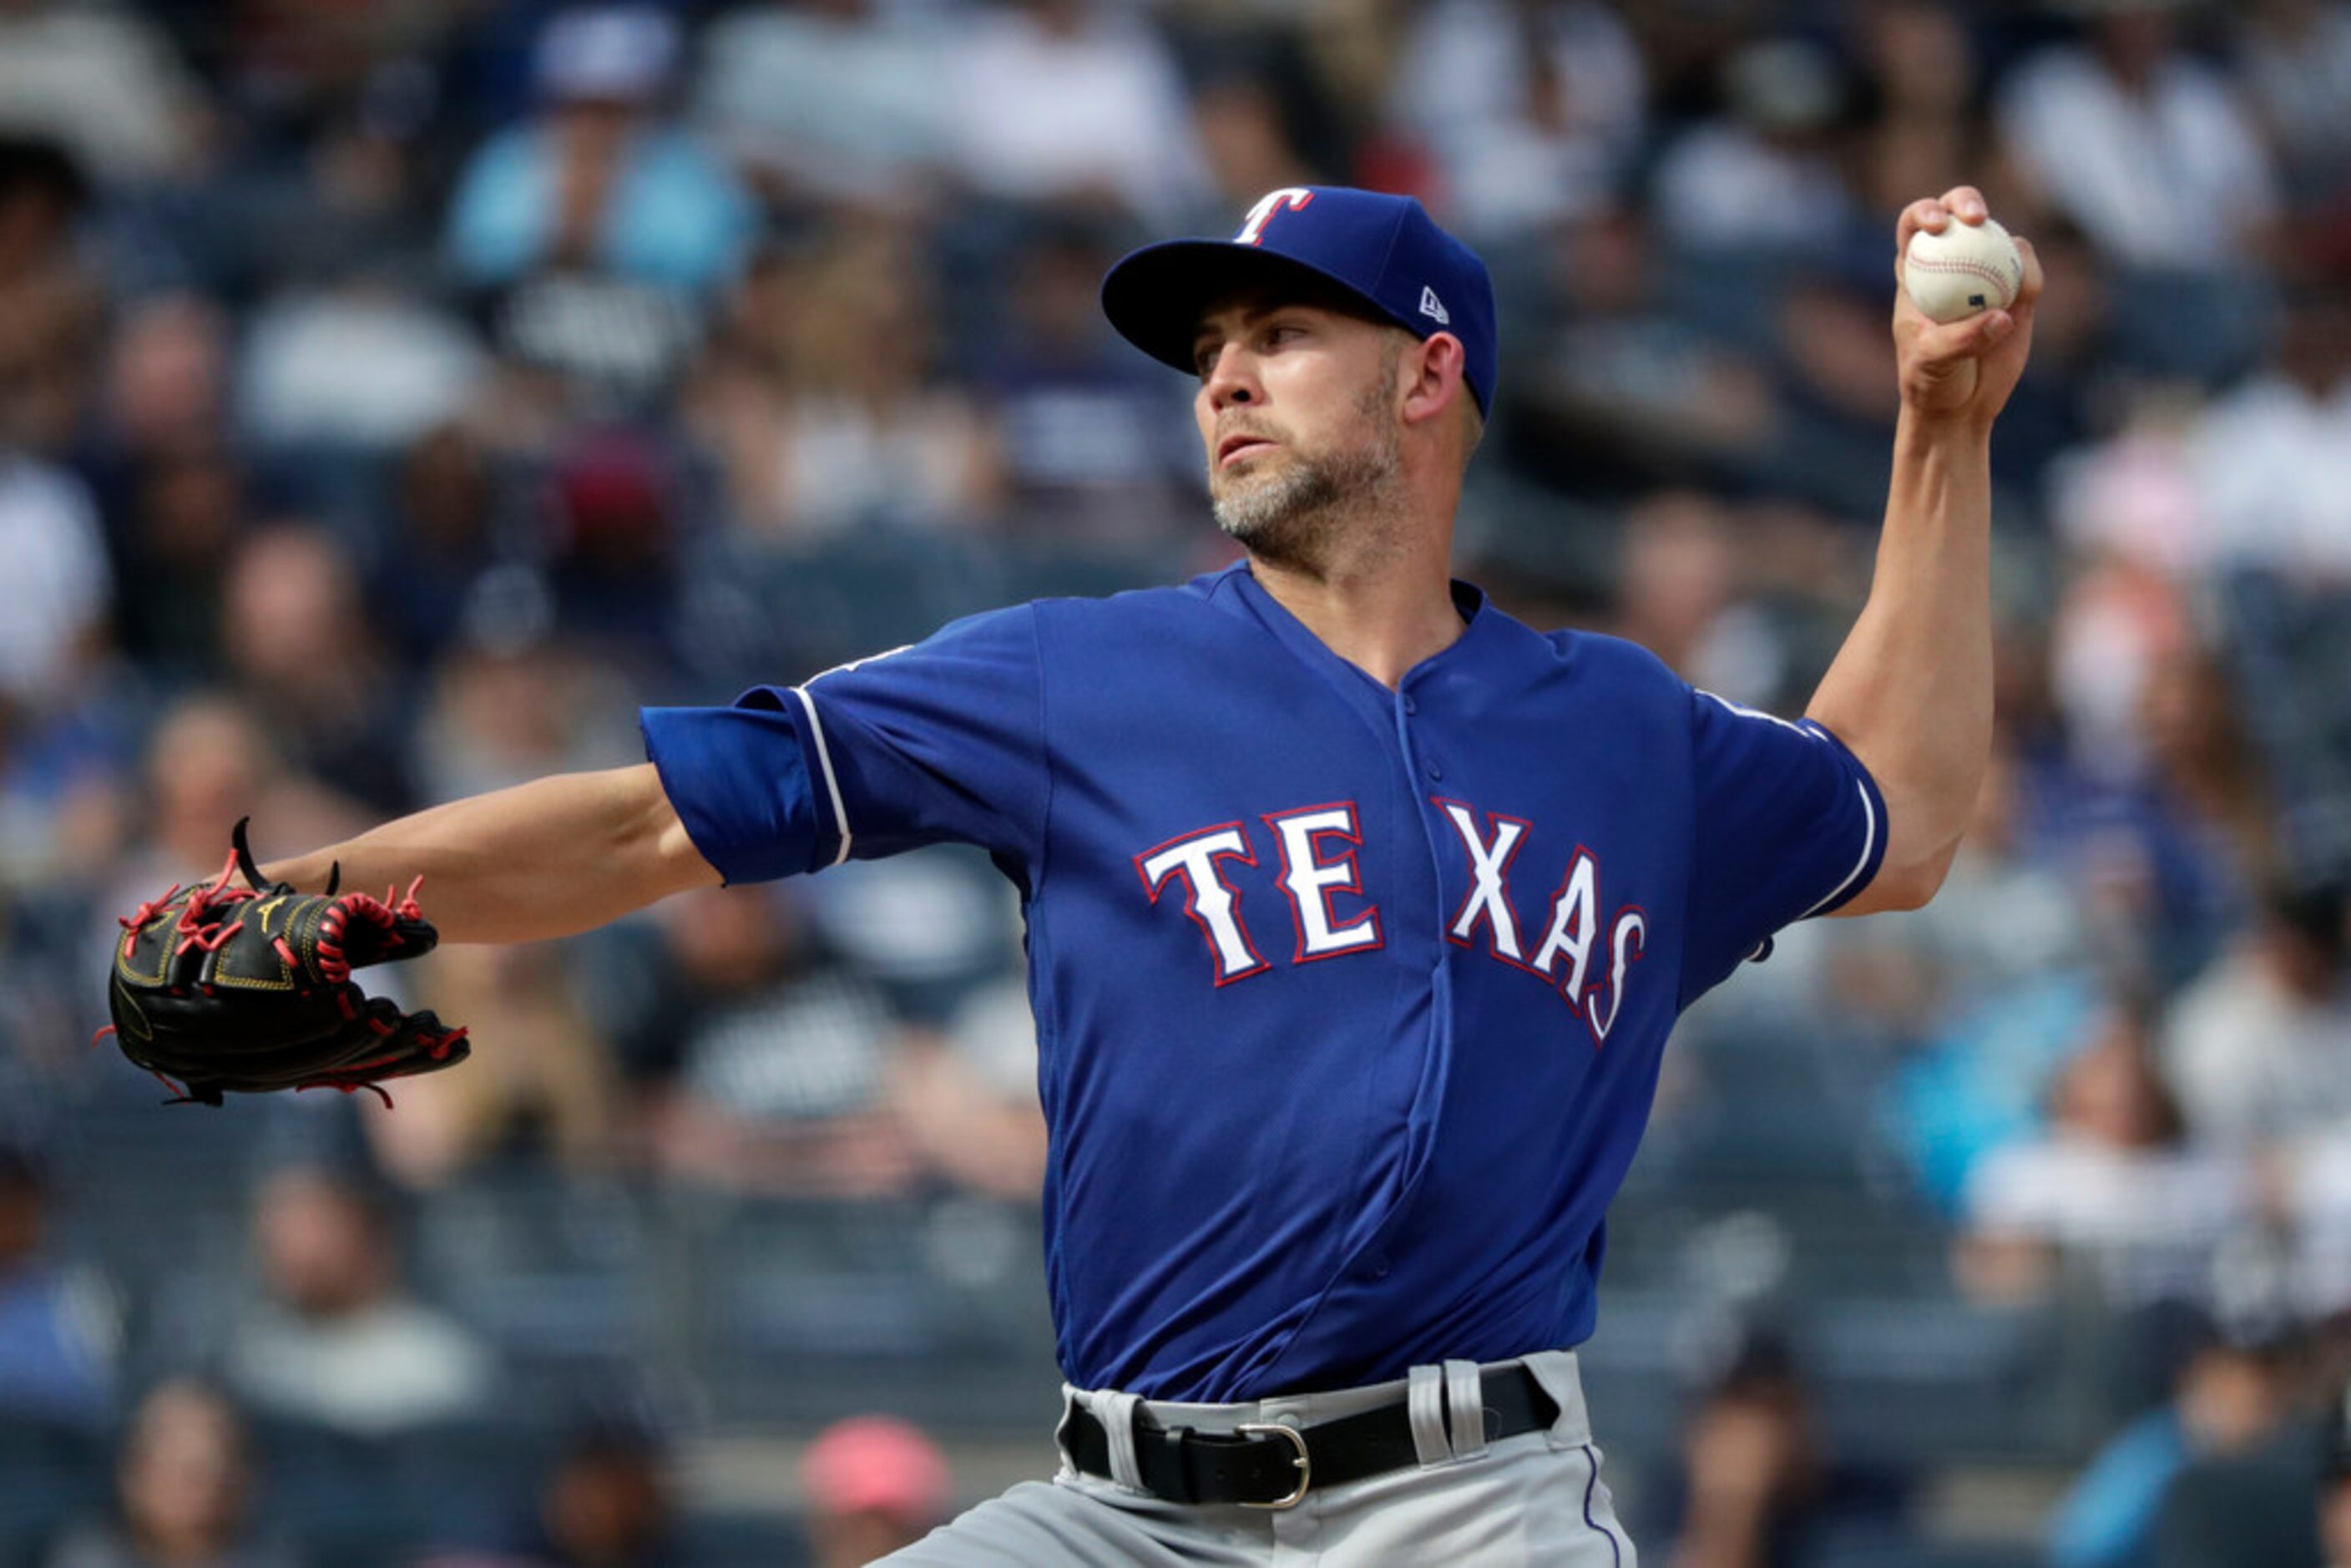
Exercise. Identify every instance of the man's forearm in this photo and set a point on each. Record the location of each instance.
(550, 858)
(1911, 690)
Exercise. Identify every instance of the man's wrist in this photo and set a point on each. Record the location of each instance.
(1923, 432)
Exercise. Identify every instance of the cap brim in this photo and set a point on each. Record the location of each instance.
(1157, 296)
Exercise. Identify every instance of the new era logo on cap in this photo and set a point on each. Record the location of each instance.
(1384, 250)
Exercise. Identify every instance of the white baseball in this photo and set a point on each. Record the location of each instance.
(1965, 269)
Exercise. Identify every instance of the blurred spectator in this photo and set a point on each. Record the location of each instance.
(1091, 440)
(2112, 1183)
(185, 1482)
(499, 716)
(2130, 497)
(337, 1340)
(1836, 408)
(297, 387)
(1533, 108)
(50, 301)
(1921, 128)
(2071, 383)
(1757, 1488)
(2145, 147)
(62, 583)
(168, 379)
(102, 80)
(58, 1324)
(782, 1062)
(599, 180)
(875, 1484)
(1626, 392)
(546, 1093)
(1245, 114)
(2006, 917)
(1677, 574)
(2158, 810)
(173, 497)
(614, 513)
(835, 101)
(2231, 1398)
(1994, 979)
(2296, 59)
(968, 1095)
(442, 537)
(2270, 459)
(1761, 177)
(607, 1504)
(2260, 1046)
(827, 406)
(1103, 118)
(2335, 1486)
(183, 511)
(297, 643)
(2247, 1504)
(209, 762)
(595, 233)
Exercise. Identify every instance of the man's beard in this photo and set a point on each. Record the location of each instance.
(1291, 516)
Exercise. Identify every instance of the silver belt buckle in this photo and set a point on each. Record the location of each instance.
(1304, 1461)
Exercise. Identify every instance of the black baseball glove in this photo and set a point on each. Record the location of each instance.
(249, 988)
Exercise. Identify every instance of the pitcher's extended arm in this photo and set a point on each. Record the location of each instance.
(551, 858)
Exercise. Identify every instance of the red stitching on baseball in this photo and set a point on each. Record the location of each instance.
(1977, 268)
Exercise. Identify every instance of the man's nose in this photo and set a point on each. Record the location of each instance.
(1232, 378)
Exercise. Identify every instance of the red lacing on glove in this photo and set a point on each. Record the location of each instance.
(350, 1080)
(137, 920)
(334, 925)
(200, 928)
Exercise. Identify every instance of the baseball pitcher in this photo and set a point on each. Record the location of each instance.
(1358, 913)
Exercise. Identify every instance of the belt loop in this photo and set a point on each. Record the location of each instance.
(1423, 1404)
(1465, 1403)
(1116, 1414)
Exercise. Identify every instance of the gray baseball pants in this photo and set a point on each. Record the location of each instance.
(1534, 1499)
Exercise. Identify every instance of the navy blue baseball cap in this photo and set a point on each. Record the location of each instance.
(1384, 251)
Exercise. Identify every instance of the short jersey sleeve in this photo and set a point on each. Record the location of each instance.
(1789, 824)
(940, 742)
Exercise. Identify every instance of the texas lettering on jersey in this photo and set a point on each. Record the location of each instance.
(1315, 849)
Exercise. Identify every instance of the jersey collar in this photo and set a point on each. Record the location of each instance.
(1482, 625)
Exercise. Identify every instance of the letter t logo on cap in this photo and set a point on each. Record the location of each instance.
(1253, 230)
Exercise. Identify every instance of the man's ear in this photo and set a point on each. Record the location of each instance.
(1429, 378)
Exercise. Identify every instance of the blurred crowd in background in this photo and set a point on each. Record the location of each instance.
(393, 395)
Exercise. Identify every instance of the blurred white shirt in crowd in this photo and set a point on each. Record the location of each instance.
(2317, 1201)
(2150, 1218)
(59, 580)
(2253, 1063)
(102, 80)
(298, 386)
(1532, 119)
(847, 106)
(2272, 465)
(394, 1365)
(2176, 179)
(1038, 113)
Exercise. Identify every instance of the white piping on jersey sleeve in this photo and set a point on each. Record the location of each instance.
(824, 752)
(1869, 843)
(833, 784)
(1868, 810)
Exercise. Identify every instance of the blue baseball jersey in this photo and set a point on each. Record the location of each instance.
(1349, 1001)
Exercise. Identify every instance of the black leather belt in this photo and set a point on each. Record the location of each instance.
(1269, 1464)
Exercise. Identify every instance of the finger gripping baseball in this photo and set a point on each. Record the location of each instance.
(223, 989)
